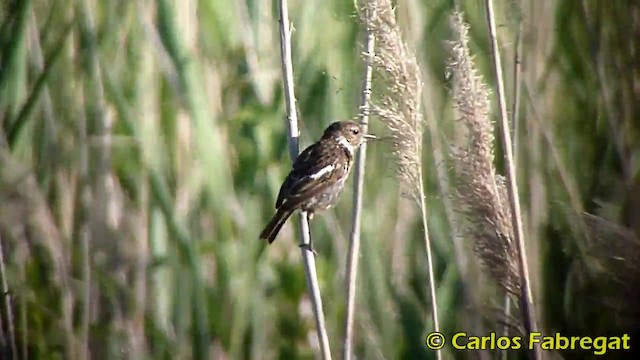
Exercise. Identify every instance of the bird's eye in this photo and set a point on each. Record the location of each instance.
(355, 131)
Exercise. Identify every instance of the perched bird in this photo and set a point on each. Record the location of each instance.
(318, 175)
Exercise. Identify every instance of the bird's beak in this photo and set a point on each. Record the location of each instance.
(370, 137)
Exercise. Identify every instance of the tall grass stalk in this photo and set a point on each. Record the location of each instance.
(566, 179)
(517, 91)
(515, 120)
(600, 65)
(527, 306)
(40, 87)
(294, 134)
(11, 56)
(358, 194)
(46, 129)
(95, 161)
(209, 137)
(83, 236)
(178, 233)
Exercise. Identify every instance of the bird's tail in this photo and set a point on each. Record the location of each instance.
(273, 227)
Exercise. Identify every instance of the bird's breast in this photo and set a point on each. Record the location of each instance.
(327, 198)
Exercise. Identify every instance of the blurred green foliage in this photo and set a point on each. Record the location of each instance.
(143, 145)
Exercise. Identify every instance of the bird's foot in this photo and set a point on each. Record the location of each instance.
(308, 247)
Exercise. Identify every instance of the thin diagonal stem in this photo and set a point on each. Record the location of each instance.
(612, 117)
(527, 307)
(515, 113)
(430, 267)
(354, 241)
(292, 124)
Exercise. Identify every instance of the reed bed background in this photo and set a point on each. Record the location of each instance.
(142, 145)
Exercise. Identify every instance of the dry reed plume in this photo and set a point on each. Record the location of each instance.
(481, 193)
(397, 95)
(396, 100)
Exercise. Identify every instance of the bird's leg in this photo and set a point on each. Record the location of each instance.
(309, 246)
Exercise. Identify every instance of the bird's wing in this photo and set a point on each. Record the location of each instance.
(316, 168)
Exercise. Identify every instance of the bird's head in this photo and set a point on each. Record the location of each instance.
(346, 133)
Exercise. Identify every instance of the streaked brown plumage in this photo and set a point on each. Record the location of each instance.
(317, 176)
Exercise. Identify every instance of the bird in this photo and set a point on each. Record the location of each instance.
(317, 175)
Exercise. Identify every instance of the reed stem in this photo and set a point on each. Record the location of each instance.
(527, 306)
(293, 138)
(358, 185)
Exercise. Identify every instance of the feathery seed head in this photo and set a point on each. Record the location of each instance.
(397, 99)
(481, 193)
